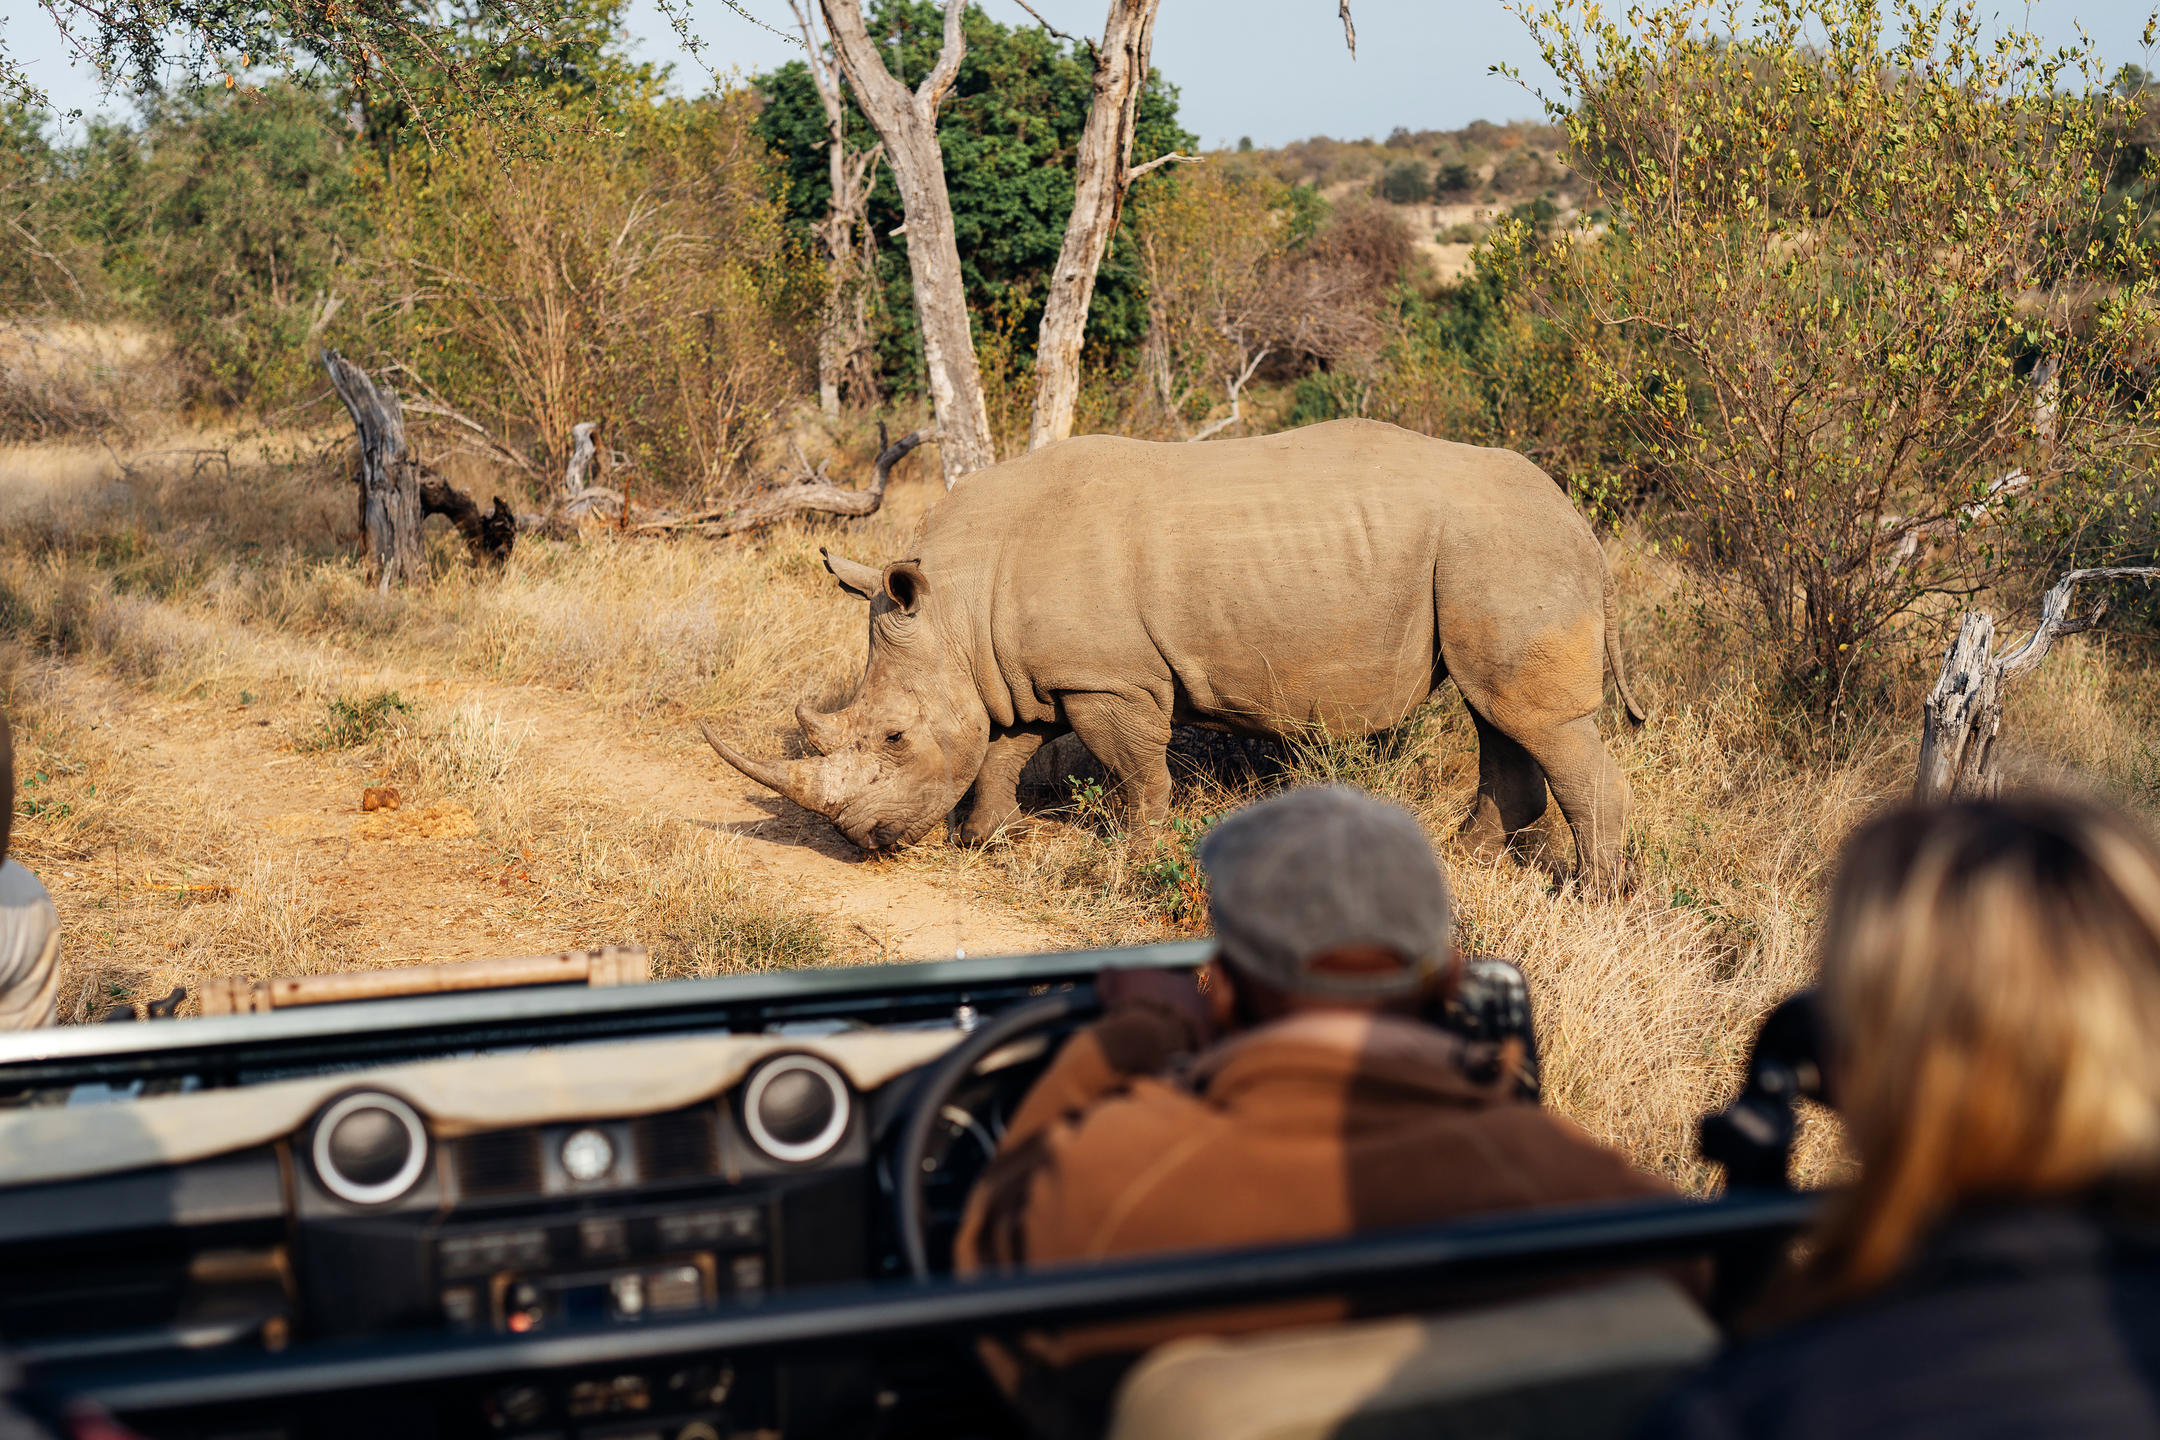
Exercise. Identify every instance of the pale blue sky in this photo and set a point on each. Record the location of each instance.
(1271, 69)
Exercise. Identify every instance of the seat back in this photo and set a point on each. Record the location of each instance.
(1581, 1365)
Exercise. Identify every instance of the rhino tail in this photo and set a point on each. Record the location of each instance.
(1613, 658)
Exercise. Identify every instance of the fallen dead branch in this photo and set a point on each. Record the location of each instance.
(810, 492)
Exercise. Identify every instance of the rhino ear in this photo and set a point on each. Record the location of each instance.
(907, 585)
(860, 580)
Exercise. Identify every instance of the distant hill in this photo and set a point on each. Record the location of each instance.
(1447, 186)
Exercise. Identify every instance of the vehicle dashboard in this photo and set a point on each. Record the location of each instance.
(588, 1184)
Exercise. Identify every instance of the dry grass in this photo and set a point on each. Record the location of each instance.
(1647, 1002)
(164, 884)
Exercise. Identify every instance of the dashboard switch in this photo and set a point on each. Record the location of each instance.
(603, 1237)
(678, 1287)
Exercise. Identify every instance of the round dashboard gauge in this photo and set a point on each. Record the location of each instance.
(796, 1108)
(587, 1155)
(369, 1148)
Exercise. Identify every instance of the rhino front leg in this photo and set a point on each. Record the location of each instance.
(1130, 735)
(997, 800)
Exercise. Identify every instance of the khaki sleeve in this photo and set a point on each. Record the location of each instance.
(30, 998)
(1097, 1061)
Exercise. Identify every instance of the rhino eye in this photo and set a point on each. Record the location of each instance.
(896, 737)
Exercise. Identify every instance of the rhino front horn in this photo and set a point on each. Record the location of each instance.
(798, 780)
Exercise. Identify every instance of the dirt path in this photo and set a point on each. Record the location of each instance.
(423, 884)
(672, 772)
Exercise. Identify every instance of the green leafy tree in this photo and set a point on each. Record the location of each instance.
(411, 63)
(1008, 134)
(1453, 180)
(527, 71)
(45, 267)
(225, 219)
(1404, 183)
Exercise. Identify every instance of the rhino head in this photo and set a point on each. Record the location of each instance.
(890, 764)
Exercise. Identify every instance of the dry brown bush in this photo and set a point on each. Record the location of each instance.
(640, 280)
(66, 379)
(1242, 284)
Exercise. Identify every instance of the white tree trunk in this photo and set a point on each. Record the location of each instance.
(1102, 170)
(907, 122)
(843, 328)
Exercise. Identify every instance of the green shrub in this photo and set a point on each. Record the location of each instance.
(346, 724)
(1840, 230)
(1404, 183)
(1452, 181)
(227, 219)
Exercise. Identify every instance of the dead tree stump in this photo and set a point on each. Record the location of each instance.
(1963, 714)
(390, 513)
(398, 492)
(490, 533)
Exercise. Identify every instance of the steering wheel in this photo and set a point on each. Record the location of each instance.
(951, 1071)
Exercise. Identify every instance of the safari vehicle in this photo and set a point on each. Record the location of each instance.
(713, 1208)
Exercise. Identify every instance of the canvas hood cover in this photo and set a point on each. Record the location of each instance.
(457, 1097)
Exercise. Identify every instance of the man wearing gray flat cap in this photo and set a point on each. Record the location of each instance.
(1297, 1092)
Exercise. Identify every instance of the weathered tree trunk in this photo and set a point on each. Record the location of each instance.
(1963, 714)
(390, 513)
(844, 361)
(584, 453)
(1102, 171)
(810, 494)
(907, 122)
(398, 492)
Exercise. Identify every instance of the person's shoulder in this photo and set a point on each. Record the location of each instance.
(19, 889)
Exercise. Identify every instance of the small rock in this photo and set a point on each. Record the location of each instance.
(379, 797)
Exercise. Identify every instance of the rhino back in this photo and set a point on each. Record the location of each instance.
(1279, 580)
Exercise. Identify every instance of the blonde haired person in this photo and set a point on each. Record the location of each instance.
(1991, 984)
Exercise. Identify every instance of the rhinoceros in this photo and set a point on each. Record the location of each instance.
(1325, 577)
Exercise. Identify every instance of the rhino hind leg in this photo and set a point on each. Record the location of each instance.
(1510, 791)
(1592, 792)
(1130, 735)
(997, 799)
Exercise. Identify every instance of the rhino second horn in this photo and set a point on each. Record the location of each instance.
(820, 729)
(798, 780)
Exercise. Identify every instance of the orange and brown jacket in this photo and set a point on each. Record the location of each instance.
(1312, 1127)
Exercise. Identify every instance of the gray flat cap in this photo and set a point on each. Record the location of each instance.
(1320, 869)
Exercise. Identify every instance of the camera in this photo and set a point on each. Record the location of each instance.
(1490, 1005)
(1753, 1137)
